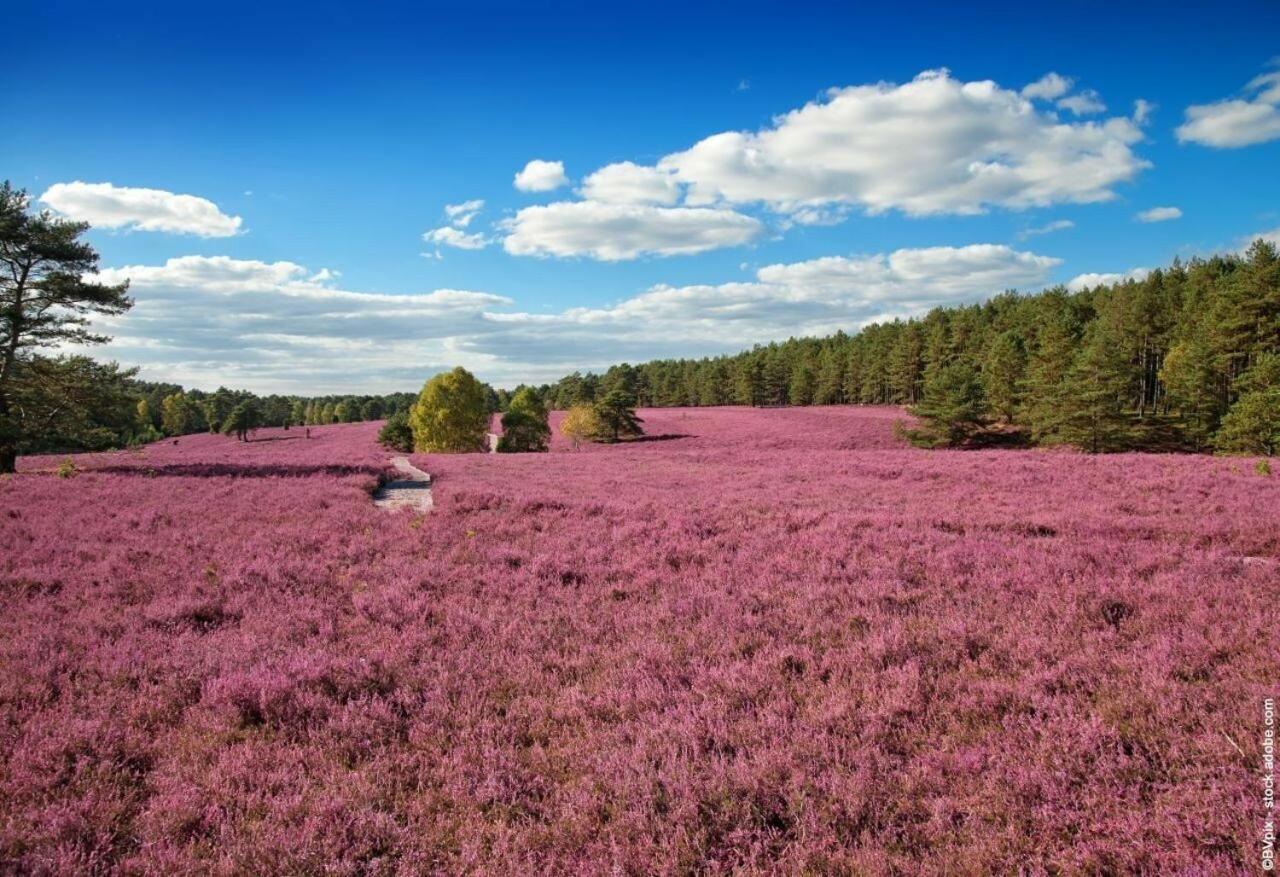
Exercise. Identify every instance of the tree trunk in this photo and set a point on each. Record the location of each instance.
(8, 459)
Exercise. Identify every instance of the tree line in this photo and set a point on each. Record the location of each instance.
(1186, 358)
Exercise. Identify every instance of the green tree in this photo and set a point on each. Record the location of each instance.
(803, 385)
(297, 412)
(396, 432)
(525, 426)
(617, 413)
(46, 300)
(1043, 388)
(1002, 373)
(953, 407)
(1252, 425)
(451, 414)
(69, 402)
(1192, 381)
(1094, 416)
(242, 420)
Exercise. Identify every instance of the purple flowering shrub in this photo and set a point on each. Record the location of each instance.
(768, 641)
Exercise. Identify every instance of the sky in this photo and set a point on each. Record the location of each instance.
(330, 198)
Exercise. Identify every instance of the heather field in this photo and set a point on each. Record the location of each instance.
(760, 641)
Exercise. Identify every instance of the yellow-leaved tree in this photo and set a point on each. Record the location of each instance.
(451, 414)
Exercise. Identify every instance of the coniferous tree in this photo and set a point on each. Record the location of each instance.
(1002, 374)
(1252, 426)
(46, 300)
(953, 407)
(524, 424)
(617, 415)
(1094, 414)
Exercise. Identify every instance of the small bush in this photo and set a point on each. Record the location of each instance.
(1262, 467)
(67, 469)
(396, 433)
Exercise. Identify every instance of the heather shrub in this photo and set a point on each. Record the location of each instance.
(779, 642)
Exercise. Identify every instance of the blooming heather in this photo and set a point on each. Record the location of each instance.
(758, 641)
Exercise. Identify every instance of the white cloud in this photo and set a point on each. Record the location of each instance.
(931, 146)
(448, 236)
(628, 183)
(460, 215)
(275, 327)
(613, 232)
(1086, 103)
(454, 234)
(814, 297)
(1142, 110)
(1159, 214)
(1047, 228)
(104, 205)
(541, 176)
(1088, 281)
(1244, 121)
(1272, 236)
(1048, 87)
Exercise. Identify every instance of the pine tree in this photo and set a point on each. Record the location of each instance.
(1252, 426)
(1193, 384)
(46, 299)
(617, 415)
(802, 386)
(953, 407)
(1043, 389)
(1002, 373)
(1093, 415)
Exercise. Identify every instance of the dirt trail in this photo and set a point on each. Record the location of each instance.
(411, 491)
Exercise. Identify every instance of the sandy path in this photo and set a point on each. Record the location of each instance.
(411, 491)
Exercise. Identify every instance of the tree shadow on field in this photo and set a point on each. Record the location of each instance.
(664, 437)
(237, 470)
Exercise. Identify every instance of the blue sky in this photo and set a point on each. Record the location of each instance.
(338, 134)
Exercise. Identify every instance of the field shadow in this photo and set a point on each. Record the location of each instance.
(239, 470)
(663, 437)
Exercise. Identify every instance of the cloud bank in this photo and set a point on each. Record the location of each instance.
(104, 205)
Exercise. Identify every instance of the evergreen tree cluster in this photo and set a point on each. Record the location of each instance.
(1186, 358)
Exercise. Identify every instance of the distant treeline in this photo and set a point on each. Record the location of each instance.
(127, 411)
(1188, 357)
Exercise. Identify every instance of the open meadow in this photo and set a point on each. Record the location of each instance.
(758, 640)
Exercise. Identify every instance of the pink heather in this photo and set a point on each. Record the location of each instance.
(782, 643)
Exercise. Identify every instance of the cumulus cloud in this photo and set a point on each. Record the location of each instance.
(448, 236)
(1047, 228)
(1048, 87)
(1233, 122)
(1159, 214)
(104, 205)
(541, 176)
(1088, 281)
(934, 145)
(278, 327)
(612, 232)
(811, 297)
(1086, 103)
(454, 234)
(628, 183)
